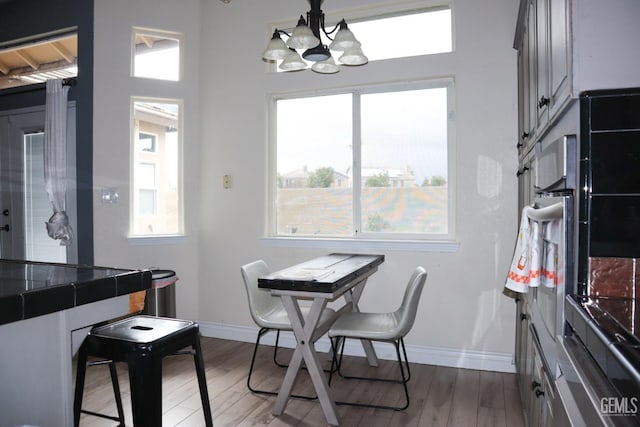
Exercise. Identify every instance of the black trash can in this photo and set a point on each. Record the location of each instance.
(161, 297)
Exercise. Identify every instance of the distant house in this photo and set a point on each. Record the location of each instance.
(296, 179)
(299, 178)
(397, 177)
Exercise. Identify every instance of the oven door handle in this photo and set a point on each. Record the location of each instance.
(548, 213)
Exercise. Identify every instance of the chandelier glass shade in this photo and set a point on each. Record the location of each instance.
(307, 37)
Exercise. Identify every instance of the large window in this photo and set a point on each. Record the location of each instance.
(156, 191)
(369, 163)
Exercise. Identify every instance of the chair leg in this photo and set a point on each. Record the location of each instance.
(335, 366)
(406, 376)
(275, 351)
(261, 332)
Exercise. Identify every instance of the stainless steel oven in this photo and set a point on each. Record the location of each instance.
(554, 211)
(599, 351)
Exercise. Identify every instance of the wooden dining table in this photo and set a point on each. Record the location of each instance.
(320, 280)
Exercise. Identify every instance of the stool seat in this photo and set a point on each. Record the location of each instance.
(141, 329)
(142, 342)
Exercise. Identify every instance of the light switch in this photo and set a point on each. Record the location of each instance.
(226, 182)
(110, 195)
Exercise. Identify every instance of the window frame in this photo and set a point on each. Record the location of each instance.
(153, 137)
(420, 238)
(143, 31)
(372, 13)
(134, 159)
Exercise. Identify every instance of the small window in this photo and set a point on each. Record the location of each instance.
(421, 33)
(156, 54)
(146, 142)
(400, 35)
(156, 206)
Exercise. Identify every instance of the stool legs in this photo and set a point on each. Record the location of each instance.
(125, 342)
(80, 373)
(79, 391)
(202, 382)
(145, 377)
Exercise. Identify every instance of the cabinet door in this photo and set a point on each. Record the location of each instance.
(524, 125)
(522, 355)
(532, 65)
(559, 48)
(542, 62)
(536, 406)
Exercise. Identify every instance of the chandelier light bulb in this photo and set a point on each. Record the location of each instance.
(276, 48)
(306, 37)
(328, 66)
(344, 39)
(293, 62)
(302, 37)
(353, 57)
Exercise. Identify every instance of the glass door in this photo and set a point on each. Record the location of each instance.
(24, 203)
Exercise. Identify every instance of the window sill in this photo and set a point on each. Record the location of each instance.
(156, 240)
(362, 244)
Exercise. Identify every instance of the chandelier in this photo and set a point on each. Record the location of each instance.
(307, 37)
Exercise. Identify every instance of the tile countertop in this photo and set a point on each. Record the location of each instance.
(30, 289)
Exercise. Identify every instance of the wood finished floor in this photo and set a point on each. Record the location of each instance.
(440, 396)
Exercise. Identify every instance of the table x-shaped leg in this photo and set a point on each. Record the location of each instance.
(304, 330)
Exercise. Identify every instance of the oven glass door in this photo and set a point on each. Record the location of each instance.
(556, 248)
(556, 242)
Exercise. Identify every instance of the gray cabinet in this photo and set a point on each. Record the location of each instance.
(543, 43)
(566, 47)
(558, 55)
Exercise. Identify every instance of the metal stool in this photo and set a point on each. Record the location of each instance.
(142, 342)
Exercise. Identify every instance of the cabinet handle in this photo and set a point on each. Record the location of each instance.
(543, 101)
(520, 172)
(5, 212)
(523, 316)
(539, 392)
(535, 384)
(6, 227)
(524, 135)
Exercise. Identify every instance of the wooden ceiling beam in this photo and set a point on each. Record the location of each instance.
(3, 68)
(27, 59)
(146, 41)
(62, 51)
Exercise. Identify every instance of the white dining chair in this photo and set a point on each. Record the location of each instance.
(269, 314)
(384, 327)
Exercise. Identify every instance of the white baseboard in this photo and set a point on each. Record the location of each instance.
(458, 358)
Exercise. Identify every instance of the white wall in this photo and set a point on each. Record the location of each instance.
(113, 88)
(462, 307)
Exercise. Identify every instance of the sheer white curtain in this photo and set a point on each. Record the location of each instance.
(55, 160)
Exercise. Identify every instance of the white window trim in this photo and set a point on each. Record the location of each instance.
(430, 243)
(157, 240)
(370, 13)
(373, 245)
(162, 34)
(133, 157)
